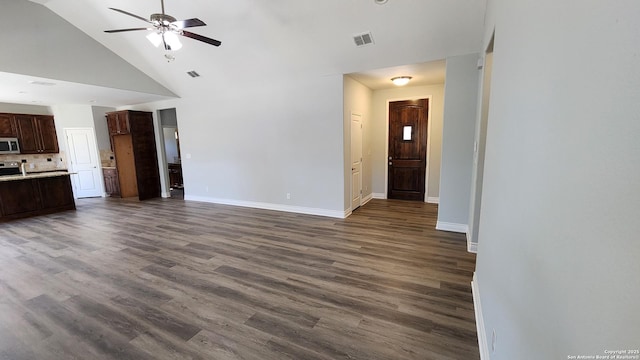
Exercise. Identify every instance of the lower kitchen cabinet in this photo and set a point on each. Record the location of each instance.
(111, 182)
(35, 196)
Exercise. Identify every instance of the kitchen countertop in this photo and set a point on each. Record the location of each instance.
(34, 175)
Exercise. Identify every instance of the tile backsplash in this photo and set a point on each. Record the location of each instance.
(107, 159)
(39, 162)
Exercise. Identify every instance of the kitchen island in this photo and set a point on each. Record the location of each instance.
(35, 194)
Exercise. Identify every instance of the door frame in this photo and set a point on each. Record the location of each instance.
(386, 148)
(68, 159)
(352, 113)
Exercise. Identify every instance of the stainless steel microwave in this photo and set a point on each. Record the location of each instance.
(9, 146)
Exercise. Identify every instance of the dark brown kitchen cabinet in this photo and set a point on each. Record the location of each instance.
(36, 134)
(118, 122)
(134, 145)
(7, 126)
(30, 197)
(111, 185)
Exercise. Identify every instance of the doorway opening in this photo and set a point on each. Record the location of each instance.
(480, 148)
(407, 149)
(173, 158)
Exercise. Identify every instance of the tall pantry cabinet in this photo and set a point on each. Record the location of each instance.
(134, 146)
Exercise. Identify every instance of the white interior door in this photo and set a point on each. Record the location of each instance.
(356, 161)
(85, 162)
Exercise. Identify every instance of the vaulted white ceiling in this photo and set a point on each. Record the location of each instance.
(267, 39)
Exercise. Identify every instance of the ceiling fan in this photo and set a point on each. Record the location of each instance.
(166, 29)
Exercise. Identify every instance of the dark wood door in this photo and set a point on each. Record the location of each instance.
(407, 149)
(47, 132)
(7, 126)
(27, 134)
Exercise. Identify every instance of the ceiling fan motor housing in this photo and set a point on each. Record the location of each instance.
(162, 19)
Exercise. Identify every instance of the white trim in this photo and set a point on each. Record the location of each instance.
(382, 196)
(386, 151)
(472, 247)
(366, 199)
(166, 194)
(433, 200)
(269, 206)
(351, 157)
(477, 307)
(447, 226)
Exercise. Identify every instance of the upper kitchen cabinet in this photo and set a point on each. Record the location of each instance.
(7, 126)
(118, 123)
(36, 134)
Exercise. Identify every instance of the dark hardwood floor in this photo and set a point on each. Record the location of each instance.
(169, 279)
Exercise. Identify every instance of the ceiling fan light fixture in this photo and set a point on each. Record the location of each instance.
(155, 38)
(171, 41)
(401, 80)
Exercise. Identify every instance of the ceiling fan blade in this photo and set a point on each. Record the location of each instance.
(123, 30)
(181, 24)
(213, 42)
(130, 14)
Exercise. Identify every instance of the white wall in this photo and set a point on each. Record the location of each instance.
(357, 100)
(557, 267)
(380, 127)
(170, 144)
(71, 116)
(25, 109)
(255, 142)
(100, 125)
(460, 103)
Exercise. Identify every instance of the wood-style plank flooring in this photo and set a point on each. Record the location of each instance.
(168, 279)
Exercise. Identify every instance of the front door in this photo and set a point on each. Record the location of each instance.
(84, 162)
(407, 160)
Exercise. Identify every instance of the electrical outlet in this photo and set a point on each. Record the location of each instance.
(494, 341)
(288, 196)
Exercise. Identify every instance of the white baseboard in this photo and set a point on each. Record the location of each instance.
(453, 227)
(472, 247)
(379, 195)
(477, 307)
(270, 206)
(366, 199)
(433, 200)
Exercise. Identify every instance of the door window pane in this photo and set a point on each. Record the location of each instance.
(406, 133)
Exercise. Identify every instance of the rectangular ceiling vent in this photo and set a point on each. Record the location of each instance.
(41, 83)
(363, 39)
(193, 74)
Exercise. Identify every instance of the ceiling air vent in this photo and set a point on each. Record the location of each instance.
(41, 83)
(193, 74)
(363, 39)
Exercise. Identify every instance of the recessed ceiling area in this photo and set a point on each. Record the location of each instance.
(428, 73)
(24, 89)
